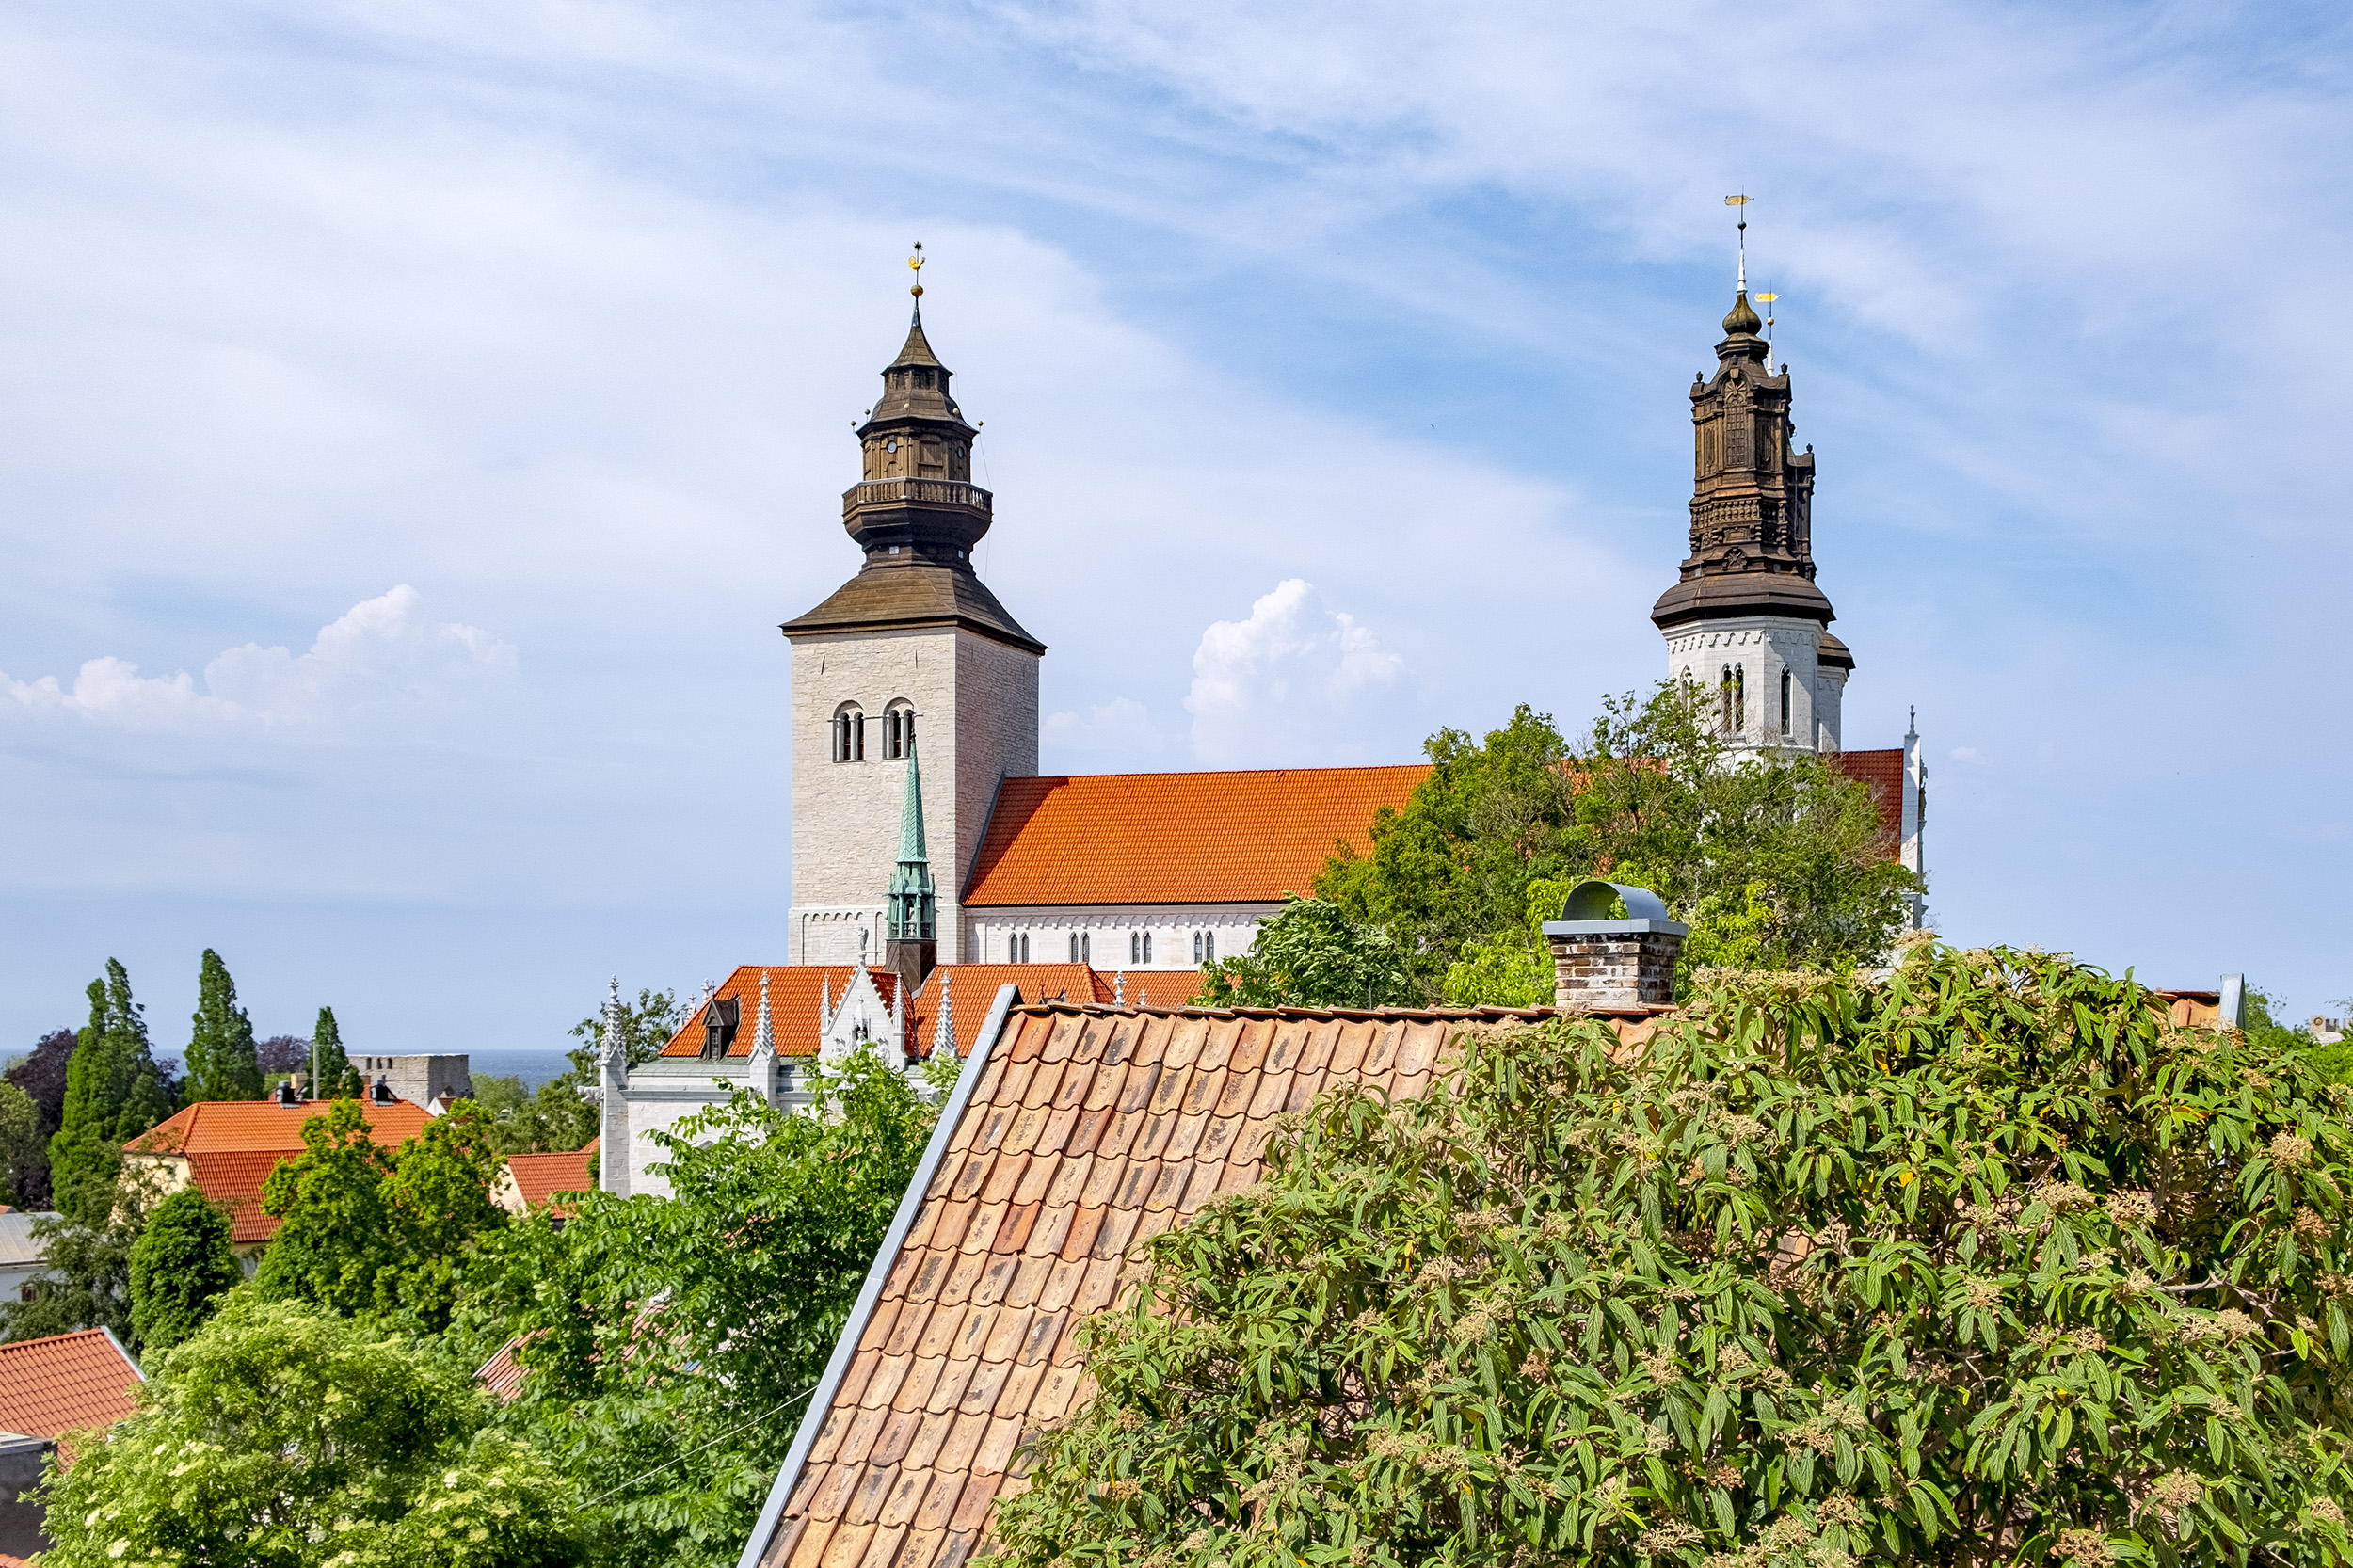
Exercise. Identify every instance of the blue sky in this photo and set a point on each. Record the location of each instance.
(419, 417)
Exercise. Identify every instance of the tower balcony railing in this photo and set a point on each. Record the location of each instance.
(937, 492)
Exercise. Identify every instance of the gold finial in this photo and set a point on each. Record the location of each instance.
(916, 262)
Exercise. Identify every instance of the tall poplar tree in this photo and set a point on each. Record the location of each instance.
(114, 1090)
(331, 1073)
(223, 1063)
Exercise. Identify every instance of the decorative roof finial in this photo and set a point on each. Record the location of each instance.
(915, 263)
(766, 1039)
(944, 1027)
(1119, 989)
(613, 1046)
(1742, 319)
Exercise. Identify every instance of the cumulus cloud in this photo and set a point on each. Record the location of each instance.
(1287, 684)
(381, 652)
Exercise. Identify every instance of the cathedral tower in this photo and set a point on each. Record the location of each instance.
(914, 637)
(1746, 622)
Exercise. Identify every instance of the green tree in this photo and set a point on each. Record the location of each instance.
(647, 1025)
(221, 1059)
(557, 1117)
(333, 1077)
(1983, 1262)
(86, 1278)
(670, 1340)
(371, 1230)
(1455, 864)
(115, 1090)
(283, 1437)
(19, 1137)
(180, 1269)
(1310, 954)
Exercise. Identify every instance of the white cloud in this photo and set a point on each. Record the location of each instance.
(381, 652)
(1286, 685)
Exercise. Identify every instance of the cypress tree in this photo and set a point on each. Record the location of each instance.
(333, 1077)
(114, 1090)
(222, 1062)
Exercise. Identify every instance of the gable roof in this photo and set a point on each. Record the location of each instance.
(1882, 773)
(233, 1146)
(791, 1005)
(1076, 1133)
(65, 1383)
(249, 1126)
(1175, 838)
(792, 991)
(540, 1176)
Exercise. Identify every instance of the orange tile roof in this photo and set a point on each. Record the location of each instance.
(791, 1005)
(66, 1383)
(233, 1146)
(974, 986)
(1883, 772)
(792, 999)
(1175, 838)
(1089, 1129)
(540, 1176)
(223, 1126)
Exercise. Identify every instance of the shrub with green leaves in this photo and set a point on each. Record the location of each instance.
(1985, 1261)
(283, 1437)
(181, 1267)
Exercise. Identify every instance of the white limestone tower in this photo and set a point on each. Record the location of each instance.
(1745, 622)
(913, 639)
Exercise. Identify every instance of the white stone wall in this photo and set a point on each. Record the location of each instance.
(1764, 646)
(976, 720)
(1112, 931)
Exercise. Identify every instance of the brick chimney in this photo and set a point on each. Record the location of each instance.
(1601, 961)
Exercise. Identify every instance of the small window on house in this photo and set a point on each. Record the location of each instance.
(1147, 947)
(1209, 946)
(1197, 947)
(1021, 945)
(1086, 946)
(1074, 946)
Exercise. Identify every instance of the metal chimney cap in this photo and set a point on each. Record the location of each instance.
(1594, 901)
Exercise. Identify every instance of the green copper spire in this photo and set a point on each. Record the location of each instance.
(912, 895)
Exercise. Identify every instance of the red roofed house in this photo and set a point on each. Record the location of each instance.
(227, 1148)
(49, 1391)
(527, 1181)
(1155, 872)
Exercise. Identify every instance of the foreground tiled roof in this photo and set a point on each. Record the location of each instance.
(1175, 838)
(65, 1383)
(1087, 1131)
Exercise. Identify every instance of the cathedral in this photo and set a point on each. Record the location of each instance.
(931, 862)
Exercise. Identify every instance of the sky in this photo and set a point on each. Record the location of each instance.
(419, 416)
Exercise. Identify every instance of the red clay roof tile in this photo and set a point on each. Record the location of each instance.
(1175, 838)
(66, 1383)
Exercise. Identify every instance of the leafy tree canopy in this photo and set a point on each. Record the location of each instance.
(114, 1090)
(373, 1230)
(19, 1138)
(557, 1117)
(223, 1063)
(337, 1077)
(283, 1437)
(1985, 1261)
(668, 1340)
(85, 1281)
(41, 1074)
(181, 1267)
(1775, 861)
(647, 1025)
(1310, 954)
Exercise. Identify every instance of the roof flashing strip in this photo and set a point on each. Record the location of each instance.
(885, 1259)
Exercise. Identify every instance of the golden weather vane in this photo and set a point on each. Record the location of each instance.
(1740, 204)
(916, 262)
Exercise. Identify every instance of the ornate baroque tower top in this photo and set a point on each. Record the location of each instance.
(1752, 508)
(916, 512)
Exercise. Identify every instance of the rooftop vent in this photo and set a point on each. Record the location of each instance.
(1613, 948)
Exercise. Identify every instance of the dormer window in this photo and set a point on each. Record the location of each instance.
(720, 1018)
(849, 734)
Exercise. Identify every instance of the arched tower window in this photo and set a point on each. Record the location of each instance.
(849, 734)
(898, 729)
(1784, 705)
